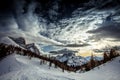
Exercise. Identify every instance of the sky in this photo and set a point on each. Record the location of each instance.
(62, 22)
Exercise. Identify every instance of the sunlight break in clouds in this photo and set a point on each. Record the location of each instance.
(83, 27)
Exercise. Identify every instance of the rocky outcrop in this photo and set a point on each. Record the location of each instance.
(32, 47)
(22, 43)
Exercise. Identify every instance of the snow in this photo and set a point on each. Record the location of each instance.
(107, 71)
(68, 30)
(9, 64)
(16, 67)
(30, 70)
(8, 41)
(71, 59)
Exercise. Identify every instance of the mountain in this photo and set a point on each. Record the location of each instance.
(20, 41)
(70, 59)
(32, 47)
(21, 67)
(7, 40)
(43, 26)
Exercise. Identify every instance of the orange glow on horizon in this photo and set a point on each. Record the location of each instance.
(87, 53)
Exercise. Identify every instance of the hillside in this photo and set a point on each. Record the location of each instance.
(59, 39)
(16, 67)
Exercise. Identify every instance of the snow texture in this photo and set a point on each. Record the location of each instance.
(16, 67)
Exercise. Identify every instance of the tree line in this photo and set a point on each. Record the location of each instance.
(6, 50)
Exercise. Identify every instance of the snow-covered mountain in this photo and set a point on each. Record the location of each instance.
(20, 41)
(51, 26)
(71, 60)
(7, 40)
(15, 67)
(32, 47)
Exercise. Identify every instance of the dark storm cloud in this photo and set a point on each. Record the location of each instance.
(107, 30)
(15, 22)
(20, 15)
(6, 6)
(7, 21)
(13, 17)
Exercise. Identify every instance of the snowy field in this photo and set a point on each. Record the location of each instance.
(16, 67)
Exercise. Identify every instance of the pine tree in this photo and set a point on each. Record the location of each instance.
(111, 53)
(105, 56)
(92, 62)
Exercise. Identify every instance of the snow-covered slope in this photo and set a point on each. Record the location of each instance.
(8, 41)
(32, 47)
(16, 67)
(20, 41)
(107, 71)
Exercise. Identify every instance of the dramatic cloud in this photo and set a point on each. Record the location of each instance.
(16, 20)
(32, 19)
(107, 30)
(16, 23)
